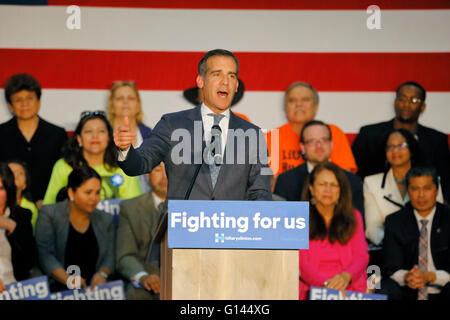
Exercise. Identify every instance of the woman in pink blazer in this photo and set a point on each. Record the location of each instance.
(337, 257)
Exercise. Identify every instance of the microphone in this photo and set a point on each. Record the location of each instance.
(216, 143)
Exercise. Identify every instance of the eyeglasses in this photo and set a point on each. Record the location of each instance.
(85, 114)
(413, 100)
(317, 141)
(402, 146)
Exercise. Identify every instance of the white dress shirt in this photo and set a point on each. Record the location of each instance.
(442, 277)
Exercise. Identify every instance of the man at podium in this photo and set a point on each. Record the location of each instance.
(209, 152)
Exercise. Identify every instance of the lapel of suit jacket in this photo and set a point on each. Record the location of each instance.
(225, 168)
(149, 219)
(391, 191)
(411, 231)
(204, 176)
(435, 235)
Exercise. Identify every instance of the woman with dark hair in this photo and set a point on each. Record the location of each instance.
(337, 257)
(17, 247)
(92, 144)
(386, 193)
(74, 233)
(22, 180)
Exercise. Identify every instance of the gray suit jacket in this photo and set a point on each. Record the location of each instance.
(235, 181)
(137, 225)
(52, 230)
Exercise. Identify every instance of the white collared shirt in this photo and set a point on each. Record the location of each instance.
(442, 277)
(208, 122)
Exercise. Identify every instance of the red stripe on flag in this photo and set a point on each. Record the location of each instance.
(260, 4)
(260, 71)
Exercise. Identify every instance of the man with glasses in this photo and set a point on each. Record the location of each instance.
(316, 145)
(26, 136)
(368, 147)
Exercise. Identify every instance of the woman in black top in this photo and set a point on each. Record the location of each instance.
(73, 237)
(17, 246)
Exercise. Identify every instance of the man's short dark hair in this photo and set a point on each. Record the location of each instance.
(421, 172)
(215, 52)
(313, 123)
(422, 92)
(19, 82)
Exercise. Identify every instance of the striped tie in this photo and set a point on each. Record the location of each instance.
(423, 256)
(215, 168)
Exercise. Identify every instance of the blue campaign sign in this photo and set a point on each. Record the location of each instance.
(111, 206)
(105, 291)
(238, 224)
(317, 293)
(31, 289)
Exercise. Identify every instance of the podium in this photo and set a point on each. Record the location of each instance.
(228, 273)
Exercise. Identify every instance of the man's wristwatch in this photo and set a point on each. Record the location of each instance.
(103, 274)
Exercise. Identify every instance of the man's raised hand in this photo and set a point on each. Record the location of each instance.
(123, 137)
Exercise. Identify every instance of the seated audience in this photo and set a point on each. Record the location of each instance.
(195, 96)
(337, 257)
(76, 233)
(409, 104)
(125, 101)
(417, 243)
(22, 181)
(301, 102)
(27, 137)
(17, 247)
(138, 221)
(385, 193)
(92, 144)
(316, 143)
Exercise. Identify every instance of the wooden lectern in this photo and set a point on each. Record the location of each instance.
(226, 274)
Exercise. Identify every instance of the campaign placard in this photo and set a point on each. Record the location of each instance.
(31, 289)
(111, 206)
(238, 224)
(105, 291)
(317, 293)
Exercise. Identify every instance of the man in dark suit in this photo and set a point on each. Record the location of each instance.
(316, 145)
(409, 104)
(417, 243)
(137, 227)
(177, 141)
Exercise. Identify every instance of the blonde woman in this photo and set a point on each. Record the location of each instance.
(124, 101)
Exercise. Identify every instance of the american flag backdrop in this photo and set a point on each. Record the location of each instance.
(158, 43)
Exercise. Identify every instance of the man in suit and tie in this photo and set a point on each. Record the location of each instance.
(243, 173)
(137, 226)
(417, 243)
(316, 144)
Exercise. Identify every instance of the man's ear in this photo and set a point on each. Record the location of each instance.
(10, 107)
(200, 82)
(423, 107)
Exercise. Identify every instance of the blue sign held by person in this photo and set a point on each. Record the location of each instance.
(238, 224)
(317, 293)
(32, 289)
(105, 291)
